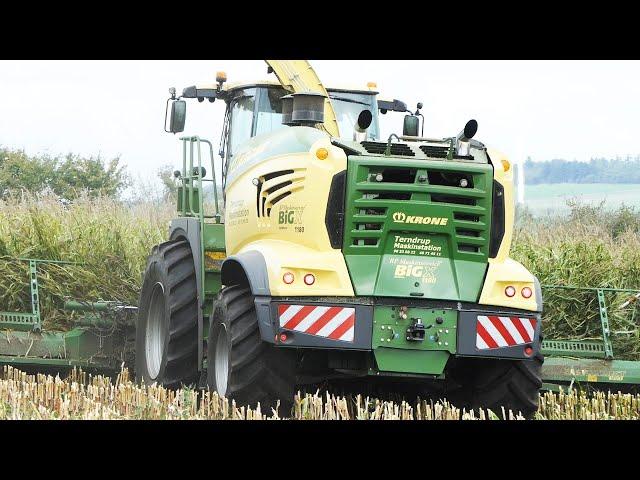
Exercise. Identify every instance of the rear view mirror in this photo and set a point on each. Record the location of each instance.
(411, 126)
(177, 116)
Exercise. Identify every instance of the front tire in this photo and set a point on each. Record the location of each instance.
(167, 327)
(241, 366)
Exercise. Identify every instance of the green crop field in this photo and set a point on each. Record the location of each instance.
(544, 198)
(586, 245)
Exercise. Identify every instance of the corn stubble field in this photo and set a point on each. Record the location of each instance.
(44, 397)
(588, 247)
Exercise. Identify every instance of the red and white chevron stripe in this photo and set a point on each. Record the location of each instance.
(336, 323)
(495, 332)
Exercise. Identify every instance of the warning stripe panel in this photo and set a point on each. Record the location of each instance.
(336, 323)
(493, 331)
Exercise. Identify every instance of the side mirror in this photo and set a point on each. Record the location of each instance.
(177, 116)
(411, 126)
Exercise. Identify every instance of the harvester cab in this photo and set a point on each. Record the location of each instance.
(338, 253)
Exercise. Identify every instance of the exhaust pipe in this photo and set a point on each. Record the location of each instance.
(464, 137)
(362, 124)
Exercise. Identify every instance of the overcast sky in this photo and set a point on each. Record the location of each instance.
(542, 109)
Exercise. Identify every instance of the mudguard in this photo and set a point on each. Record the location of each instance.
(250, 265)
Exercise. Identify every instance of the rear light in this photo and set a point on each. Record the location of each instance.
(528, 351)
(510, 291)
(288, 278)
(309, 279)
(526, 292)
(283, 337)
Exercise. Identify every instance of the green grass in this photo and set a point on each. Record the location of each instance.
(543, 198)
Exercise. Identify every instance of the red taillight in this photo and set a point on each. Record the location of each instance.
(283, 337)
(309, 279)
(288, 278)
(526, 292)
(510, 291)
(528, 351)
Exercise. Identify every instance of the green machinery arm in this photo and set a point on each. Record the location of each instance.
(588, 361)
(299, 76)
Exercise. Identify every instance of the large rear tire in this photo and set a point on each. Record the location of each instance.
(167, 328)
(240, 366)
(492, 384)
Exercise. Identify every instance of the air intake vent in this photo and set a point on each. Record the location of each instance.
(378, 148)
(392, 195)
(467, 233)
(465, 217)
(394, 175)
(276, 186)
(334, 216)
(435, 152)
(497, 219)
(450, 179)
(458, 200)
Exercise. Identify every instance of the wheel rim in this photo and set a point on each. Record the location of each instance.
(156, 331)
(222, 361)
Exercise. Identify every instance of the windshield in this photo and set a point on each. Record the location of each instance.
(254, 111)
(248, 121)
(269, 116)
(348, 106)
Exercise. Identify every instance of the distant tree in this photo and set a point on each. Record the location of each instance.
(597, 170)
(20, 172)
(169, 183)
(75, 174)
(66, 176)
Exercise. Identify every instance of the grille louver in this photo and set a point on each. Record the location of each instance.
(378, 148)
(435, 152)
(468, 208)
(276, 186)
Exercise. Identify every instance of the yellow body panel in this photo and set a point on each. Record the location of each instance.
(293, 238)
(502, 274)
(504, 271)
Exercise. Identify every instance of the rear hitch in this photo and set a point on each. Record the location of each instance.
(416, 331)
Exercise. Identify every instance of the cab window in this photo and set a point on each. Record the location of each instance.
(269, 116)
(241, 119)
(347, 106)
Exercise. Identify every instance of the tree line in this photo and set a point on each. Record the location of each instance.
(597, 170)
(68, 176)
(71, 175)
